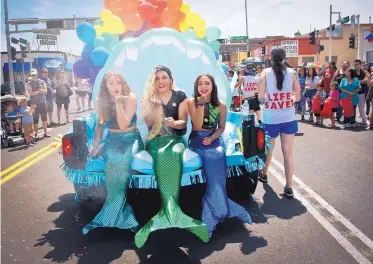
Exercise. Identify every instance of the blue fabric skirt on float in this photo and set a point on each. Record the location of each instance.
(120, 148)
(216, 206)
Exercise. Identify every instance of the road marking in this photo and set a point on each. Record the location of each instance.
(28, 164)
(19, 163)
(360, 258)
(330, 208)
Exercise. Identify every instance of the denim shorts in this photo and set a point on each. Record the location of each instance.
(288, 128)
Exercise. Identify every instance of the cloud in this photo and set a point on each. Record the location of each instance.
(43, 8)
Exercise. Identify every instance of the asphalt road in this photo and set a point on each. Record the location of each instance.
(40, 223)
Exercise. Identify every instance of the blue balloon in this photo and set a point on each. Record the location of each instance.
(110, 39)
(99, 56)
(213, 33)
(81, 68)
(87, 50)
(190, 34)
(99, 42)
(186, 59)
(86, 32)
(216, 55)
(98, 22)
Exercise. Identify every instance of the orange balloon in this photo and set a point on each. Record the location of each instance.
(130, 5)
(180, 16)
(174, 4)
(112, 4)
(123, 14)
(168, 17)
(133, 21)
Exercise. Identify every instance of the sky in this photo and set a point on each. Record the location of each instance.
(265, 17)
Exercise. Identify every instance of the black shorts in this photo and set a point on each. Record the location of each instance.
(254, 104)
(81, 93)
(63, 101)
(50, 106)
(41, 110)
(89, 96)
(334, 110)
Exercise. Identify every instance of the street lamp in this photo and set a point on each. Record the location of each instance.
(339, 21)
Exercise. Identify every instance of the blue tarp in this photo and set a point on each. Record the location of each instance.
(17, 67)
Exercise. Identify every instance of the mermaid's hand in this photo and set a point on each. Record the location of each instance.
(202, 100)
(155, 101)
(207, 141)
(96, 152)
(120, 99)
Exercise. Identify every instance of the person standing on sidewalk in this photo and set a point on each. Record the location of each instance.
(338, 76)
(63, 93)
(363, 77)
(327, 75)
(81, 93)
(280, 89)
(49, 95)
(37, 89)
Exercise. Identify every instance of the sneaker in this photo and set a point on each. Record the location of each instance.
(78, 109)
(288, 192)
(302, 118)
(355, 124)
(46, 135)
(262, 178)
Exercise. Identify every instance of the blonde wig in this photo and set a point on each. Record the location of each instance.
(149, 109)
(104, 100)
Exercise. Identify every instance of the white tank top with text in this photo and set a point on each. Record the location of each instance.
(250, 86)
(279, 105)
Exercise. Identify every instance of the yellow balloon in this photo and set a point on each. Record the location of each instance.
(99, 30)
(121, 29)
(200, 25)
(201, 33)
(185, 8)
(192, 18)
(105, 14)
(183, 26)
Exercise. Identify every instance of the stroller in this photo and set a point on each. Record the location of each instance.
(8, 138)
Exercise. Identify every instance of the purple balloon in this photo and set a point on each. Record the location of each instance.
(93, 71)
(81, 68)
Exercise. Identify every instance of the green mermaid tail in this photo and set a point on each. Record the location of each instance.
(167, 153)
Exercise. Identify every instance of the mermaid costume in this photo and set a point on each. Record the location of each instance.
(167, 153)
(216, 206)
(119, 150)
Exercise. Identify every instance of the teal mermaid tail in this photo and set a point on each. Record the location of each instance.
(119, 151)
(167, 153)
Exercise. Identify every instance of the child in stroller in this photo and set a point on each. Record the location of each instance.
(11, 123)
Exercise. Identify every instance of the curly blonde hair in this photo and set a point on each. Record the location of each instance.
(104, 100)
(150, 109)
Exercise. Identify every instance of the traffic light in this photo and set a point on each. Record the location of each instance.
(23, 51)
(312, 38)
(13, 52)
(333, 27)
(320, 48)
(351, 42)
(264, 50)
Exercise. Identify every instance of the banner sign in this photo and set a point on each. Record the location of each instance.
(291, 47)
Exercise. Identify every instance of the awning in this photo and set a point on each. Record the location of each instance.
(17, 67)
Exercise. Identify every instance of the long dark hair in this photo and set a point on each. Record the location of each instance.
(214, 93)
(352, 73)
(304, 72)
(278, 68)
(314, 72)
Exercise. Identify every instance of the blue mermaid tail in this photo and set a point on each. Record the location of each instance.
(216, 206)
(120, 148)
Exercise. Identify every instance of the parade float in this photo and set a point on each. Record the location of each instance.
(132, 38)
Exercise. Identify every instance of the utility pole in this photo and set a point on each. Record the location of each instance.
(330, 33)
(247, 30)
(358, 37)
(8, 46)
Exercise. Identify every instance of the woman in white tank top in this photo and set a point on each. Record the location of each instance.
(280, 89)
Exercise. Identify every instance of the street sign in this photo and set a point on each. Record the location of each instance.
(47, 42)
(221, 41)
(50, 37)
(55, 24)
(23, 41)
(345, 20)
(48, 31)
(14, 40)
(239, 38)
